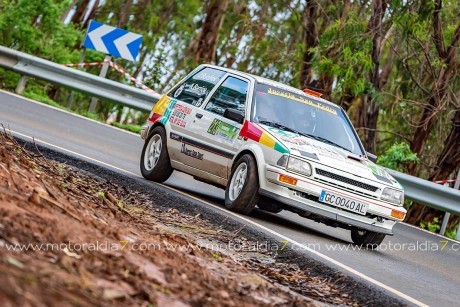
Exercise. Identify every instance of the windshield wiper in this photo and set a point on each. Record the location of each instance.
(326, 141)
(278, 125)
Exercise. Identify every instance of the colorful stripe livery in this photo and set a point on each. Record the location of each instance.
(257, 134)
(159, 109)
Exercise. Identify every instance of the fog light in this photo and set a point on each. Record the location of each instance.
(287, 179)
(398, 214)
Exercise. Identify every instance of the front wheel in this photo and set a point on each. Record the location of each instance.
(366, 238)
(242, 191)
(155, 164)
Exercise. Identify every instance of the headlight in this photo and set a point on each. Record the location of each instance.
(393, 196)
(299, 166)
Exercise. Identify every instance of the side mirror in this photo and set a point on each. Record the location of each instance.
(234, 115)
(372, 157)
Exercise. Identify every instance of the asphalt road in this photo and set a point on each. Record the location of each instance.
(413, 262)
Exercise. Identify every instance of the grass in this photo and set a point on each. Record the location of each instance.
(129, 127)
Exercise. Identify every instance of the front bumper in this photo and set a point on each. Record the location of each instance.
(145, 130)
(378, 220)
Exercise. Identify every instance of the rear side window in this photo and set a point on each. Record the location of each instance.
(195, 89)
(231, 94)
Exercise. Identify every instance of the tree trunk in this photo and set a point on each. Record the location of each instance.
(67, 12)
(92, 14)
(310, 39)
(80, 13)
(372, 109)
(124, 13)
(204, 47)
(440, 87)
(448, 162)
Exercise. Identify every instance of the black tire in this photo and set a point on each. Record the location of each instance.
(366, 238)
(161, 169)
(269, 205)
(246, 200)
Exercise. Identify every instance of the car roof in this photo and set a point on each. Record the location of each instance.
(270, 82)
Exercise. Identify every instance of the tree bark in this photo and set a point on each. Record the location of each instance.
(204, 47)
(440, 87)
(375, 28)
(80, 13)
(310, 39)
(448, 162)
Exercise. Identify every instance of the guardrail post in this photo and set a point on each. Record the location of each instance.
(456, 186)
(445, 220)
(21, 85)
(71, 99)
(105, 68)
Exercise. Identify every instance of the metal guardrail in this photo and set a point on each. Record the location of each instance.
(429, 193)
(32, 66)
(423, 191)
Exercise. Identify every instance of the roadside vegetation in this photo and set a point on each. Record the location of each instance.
(392, 65)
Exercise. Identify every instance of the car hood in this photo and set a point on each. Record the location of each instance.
(332, 156)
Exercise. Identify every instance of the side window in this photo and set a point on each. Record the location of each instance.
(195, 89)
(231, 94)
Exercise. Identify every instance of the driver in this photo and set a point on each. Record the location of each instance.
(305, 120)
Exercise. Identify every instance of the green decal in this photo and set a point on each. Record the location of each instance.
(281, 148)
(223, 130)
(168, 111)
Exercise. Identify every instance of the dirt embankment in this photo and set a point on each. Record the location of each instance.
(67, 238)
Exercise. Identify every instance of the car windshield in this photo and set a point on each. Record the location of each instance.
(295, 112)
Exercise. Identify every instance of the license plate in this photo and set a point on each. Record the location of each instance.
(343, 202)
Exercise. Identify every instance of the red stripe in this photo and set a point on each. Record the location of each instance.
(155, 117)
(251, 131)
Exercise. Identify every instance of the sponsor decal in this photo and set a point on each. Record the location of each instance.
(317, 105)
(178, 91)
(179, 115)
(223, 130)
(191, 153)
(207, 77)
(196, 89)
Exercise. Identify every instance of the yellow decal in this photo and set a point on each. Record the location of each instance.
(267, 140)
(303, 100)
(161, 105)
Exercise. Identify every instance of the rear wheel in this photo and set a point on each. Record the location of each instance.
(155, 164)
(242, 191)
(366, 238)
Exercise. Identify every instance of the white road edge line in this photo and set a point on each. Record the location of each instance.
(306, 248)
(67, 112)
(431, 233)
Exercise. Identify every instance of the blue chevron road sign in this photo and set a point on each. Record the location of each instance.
(113, 41)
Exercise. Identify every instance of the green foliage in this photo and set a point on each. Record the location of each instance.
(397, 156)
(93, 116)
(451, 233)
(129, 127)
(433, 226)
(31, 94)
(8, 79)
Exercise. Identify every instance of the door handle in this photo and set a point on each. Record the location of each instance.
(199, 115)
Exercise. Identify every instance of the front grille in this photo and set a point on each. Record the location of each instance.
(356, 183)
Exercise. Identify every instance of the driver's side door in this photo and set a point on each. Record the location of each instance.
(218, 136)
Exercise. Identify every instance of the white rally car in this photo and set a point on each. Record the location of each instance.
(271, 145)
